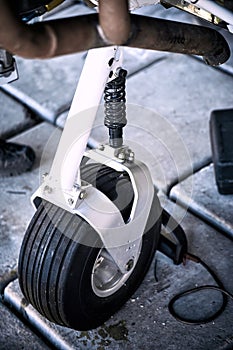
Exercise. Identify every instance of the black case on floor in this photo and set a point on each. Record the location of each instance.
(221, 135)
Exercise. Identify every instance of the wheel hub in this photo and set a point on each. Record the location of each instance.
(106, 278)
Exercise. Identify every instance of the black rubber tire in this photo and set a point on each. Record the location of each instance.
(55, 268)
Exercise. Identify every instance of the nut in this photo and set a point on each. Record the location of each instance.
(121, 156)
(82, 195)
(131, 156)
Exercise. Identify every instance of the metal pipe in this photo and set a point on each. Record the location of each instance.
(23, 40)
(114, 20)
(65, 36)
(163, 35)
(80, 33)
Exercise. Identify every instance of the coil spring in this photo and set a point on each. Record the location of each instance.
(114, 96)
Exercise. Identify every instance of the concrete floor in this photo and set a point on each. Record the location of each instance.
(170, 99)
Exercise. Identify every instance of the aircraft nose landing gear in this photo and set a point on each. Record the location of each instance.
(81, 260)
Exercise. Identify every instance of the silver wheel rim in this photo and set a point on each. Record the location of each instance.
(106, 278)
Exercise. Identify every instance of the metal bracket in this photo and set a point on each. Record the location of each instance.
(8, 68)
(122, 240)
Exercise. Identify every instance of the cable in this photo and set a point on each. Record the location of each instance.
(174, 250)
(220, 287)
(178, 252)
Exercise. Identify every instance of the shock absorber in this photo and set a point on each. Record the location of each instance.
(115, 108)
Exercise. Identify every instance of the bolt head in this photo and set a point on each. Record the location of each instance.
(101, 148)
(70, 201)
(82, 195)
(129, 265)
(44, 176)
(48, 189)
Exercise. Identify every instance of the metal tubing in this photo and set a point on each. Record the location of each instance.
(163, 35)
(65, 36)
(47, 39)
(18, 38)
(114, 20)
